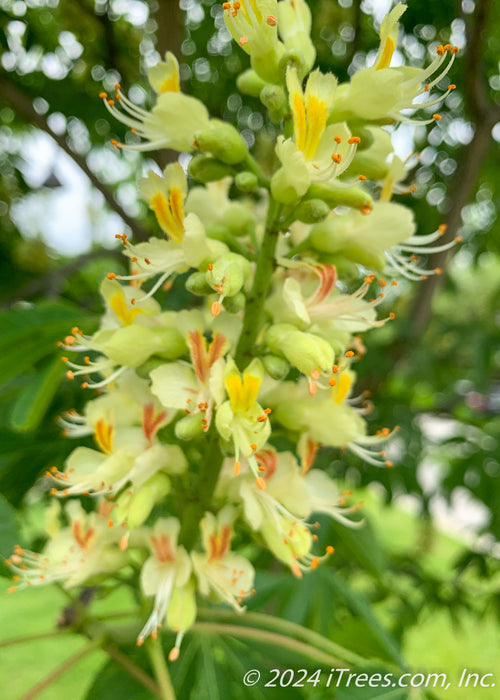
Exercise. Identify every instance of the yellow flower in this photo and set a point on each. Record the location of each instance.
(165, 196)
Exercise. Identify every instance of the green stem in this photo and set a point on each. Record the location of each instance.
(274, 639)
(131, 668)
(158, 662)
(289, 629)
(255, 301)
(61, 669)
(299, 248)
(30, 638)
(251, 164)
(207, 480)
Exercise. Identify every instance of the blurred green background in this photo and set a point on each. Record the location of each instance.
(420, 584)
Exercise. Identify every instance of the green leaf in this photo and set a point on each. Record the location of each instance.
(9, 535)
(113, 683)
(33, 402)
(35, 331)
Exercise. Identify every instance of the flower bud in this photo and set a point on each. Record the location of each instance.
(277, 367)
(239, 219)
(197, 284)
(228, 273)
(311, 211)
(333, 196)
(129, 346)
(250, 83)
(173, 344)
(206, 169)
(235, 303)
(306, 351)
(223, 141)
(181, 612)
(189, 427)
(273, 97)
(134, 508)
(246, 182)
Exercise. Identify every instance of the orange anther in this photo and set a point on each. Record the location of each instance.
(267, 411)
(389, 464)
(314, 563)
(436, 117)
(117, 86)
(335, 369)
(216, 307)
(103, 95)
(336, 157)
(210, 266)
(354, 139)
(349, 353)
(394, 283)
(70, 374)
(447, 47)
(337, 139)
(271, 20)
(392, 316)
(260, 483)
(437, 270)
(237, 468)
(243, 40)
(366, 209)
(332, 381)
(440, 50)
(110, 523)
(452, 86)
(111, 275)
(253, 446)
(110, 102)
(330, 549)
(454, 50)
(426, 87)
(362, 178)
(226, 5)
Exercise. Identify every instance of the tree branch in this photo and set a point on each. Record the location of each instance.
(52, 281)
(469, 163)
(24, 108)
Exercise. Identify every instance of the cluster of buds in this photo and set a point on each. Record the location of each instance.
(188, 401)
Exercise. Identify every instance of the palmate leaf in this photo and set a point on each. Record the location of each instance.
(9, 535)
(29, 334)
(32, 402)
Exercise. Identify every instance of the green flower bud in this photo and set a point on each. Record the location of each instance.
(148, 366)
(207, 169)
(129, 346)
(250, 83)
(197, 284)
(135, 508)
(354, 197)
(239, 219)
(305, 351)
(273, 97)
(288, 188)
(277, 367)
(235, 303)
(364, 239)
(311, 211)
(246, 182)
(227, 275)
(223, 141)
(181, 612)
(173, 344)
(189, 427)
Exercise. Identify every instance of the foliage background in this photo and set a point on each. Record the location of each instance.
(421, 581)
